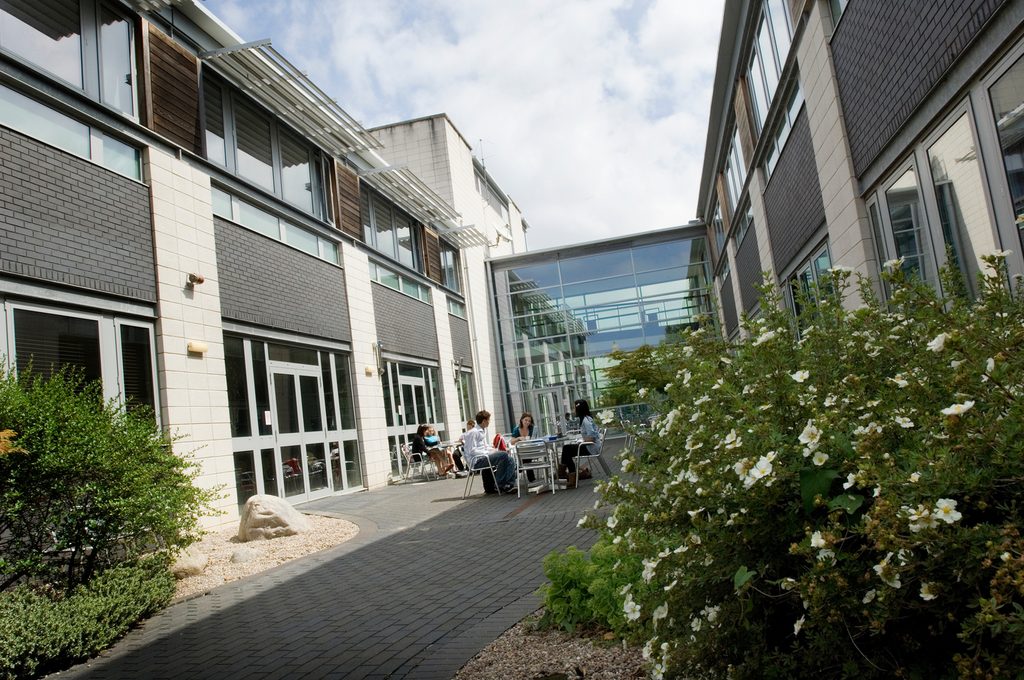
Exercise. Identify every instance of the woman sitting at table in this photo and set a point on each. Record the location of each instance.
(427, 444)
(524, 430)
(589, 444)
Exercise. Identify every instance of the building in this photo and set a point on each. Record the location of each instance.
(191, 220)
(854, 132)
(561, 312)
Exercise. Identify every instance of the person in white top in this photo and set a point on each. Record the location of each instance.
(477, 452)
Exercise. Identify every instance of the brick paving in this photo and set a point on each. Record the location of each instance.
(430, 580)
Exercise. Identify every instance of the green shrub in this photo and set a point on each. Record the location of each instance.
(848, 504)
(85, 485)
(40, 634)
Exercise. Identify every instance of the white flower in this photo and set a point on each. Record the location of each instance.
(928, 591)
(920, 518)
(642, 392)
(900, 381)
(631, 608)
(625, 464)
(711, 612)
(659, 613)
(732, 441)
(703, 400)
(893, 264)
(764, 337)
(817, 541)
(888, 573)
(826, 554)
(1006, 557)
(938, 342)
(612, 521)
(649, 567)
(761, 469)
(606, 417)
(819, 458)
(811, 434)
(1002, 253)
(945, 509)
(958, 409)
(696, 623)
(869, 596)
(915, 477)
(830, 400)
(799, 376)
(583, 520)
(851, 480)
(905, 423)
(798, 625)
(990, 365)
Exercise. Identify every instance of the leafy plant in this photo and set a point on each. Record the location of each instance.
(85, 485)
(846, 503)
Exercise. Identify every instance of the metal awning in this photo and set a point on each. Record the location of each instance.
(265, 75)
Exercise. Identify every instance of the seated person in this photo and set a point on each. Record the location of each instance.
(478, 452)
(435, 451)
(419, 445)
(524, 430)
(590, 442)
(460, 464)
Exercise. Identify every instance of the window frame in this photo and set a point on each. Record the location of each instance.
(231, 98)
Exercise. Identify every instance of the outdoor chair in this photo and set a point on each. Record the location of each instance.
(580, 455)
(474, 471)
(533, 455)
(416, 464)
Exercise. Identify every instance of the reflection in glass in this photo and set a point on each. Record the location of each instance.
(537, 276)
(121, 158)
(596, 266)
(116, 80)
(255, 158)
(271, 471)
(47, 33)
(960, 196)
(35, 120)
(137, 367)
(345, 401)
(238, 389)
(301, 239)
(262, 386)
(353, 470)
(45, 343)
(245, 476)
(287, 408)
(309, 388)
(216, 150)
(291, 470)
(296, 180)
(905, 217)
(316, 465)
(1008, 108)
(293, 355)
(404, 241)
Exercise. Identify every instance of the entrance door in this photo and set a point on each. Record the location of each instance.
(299, 431)
(547, 409)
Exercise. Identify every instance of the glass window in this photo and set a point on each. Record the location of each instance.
(117, 82)
(457, 308)
(1007, 96)
(259, 220)
(837, 7)
(345, 399)
(450, 267)
(301, 239)
(719, 228)
(758, 92)
(292, 354)
(255, 157)
(44, 343)
(405, 240)
(296, 178)
(221, 201)
(661, 255)
(536, 276)
(238, 388)
(137, 388)
(779, 14)
(769, 60)
(121, 158)
(960, 197)
(329, 251)
(45, 124)
(213, 103)
(907, 223)
(598, 265)
(46, 32)
(261, 384)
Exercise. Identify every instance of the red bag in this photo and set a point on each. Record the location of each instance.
(499, 443)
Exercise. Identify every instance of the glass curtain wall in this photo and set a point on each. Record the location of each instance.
(559, 320)
(412, 396)
(292, 420)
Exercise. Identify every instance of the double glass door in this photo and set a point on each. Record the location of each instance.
(301, 455)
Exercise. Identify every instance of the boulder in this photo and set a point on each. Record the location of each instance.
(191, 562)
(244, 554)
(270, 517)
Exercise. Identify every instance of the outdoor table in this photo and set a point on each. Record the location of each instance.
(553, 448)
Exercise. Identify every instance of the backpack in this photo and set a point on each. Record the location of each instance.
(499, 443)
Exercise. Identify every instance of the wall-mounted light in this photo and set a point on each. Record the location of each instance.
(197, 347)
(378, 351)
(194, 280)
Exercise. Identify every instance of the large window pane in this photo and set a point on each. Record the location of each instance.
(301, 239)
(384, 233)
(960, 196)
(595, 266)
(137, 367)
(45, 343)
(117, 83)
(1008, 109)
(213, 99)
(405, 241)
(254, 150)
(345, 400)
(758, 95)
(296, 179)
(262, 386)
(35, 120)
(258, 220)
(907, 229)
(780, 27)
(121, 158)
(238, 388)
(537, 276)
(45, 32)
(768, 59)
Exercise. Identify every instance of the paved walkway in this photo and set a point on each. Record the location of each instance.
(429, 582)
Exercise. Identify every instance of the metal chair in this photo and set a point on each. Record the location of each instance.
(533, 455)
(474, 471)
(416, 464)
(579, 455)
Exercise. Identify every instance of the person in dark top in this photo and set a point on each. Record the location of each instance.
(427, 444)
(524, 430)
(590, 438)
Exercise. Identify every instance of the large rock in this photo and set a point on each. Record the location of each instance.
(270, 517)
(191, 562)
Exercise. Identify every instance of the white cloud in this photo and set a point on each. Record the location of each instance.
(593, 113)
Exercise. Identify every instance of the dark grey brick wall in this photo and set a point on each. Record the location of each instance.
(889, 55)
(792, 200)
(728, 304)
(462, 346)
(68, 221)
(748, 269)
(267, 283)
(404, 325)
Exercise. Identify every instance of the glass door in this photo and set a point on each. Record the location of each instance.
(299, 432)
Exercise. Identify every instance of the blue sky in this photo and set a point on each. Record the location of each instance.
(591, 114)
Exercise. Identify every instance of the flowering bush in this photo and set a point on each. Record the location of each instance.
(846, 504)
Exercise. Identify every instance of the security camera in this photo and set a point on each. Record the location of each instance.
(195, 279)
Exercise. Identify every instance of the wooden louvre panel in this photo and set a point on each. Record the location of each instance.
(174, 90)
(347, 215)
(432, 254)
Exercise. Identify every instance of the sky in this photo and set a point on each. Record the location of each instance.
(590, 114)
